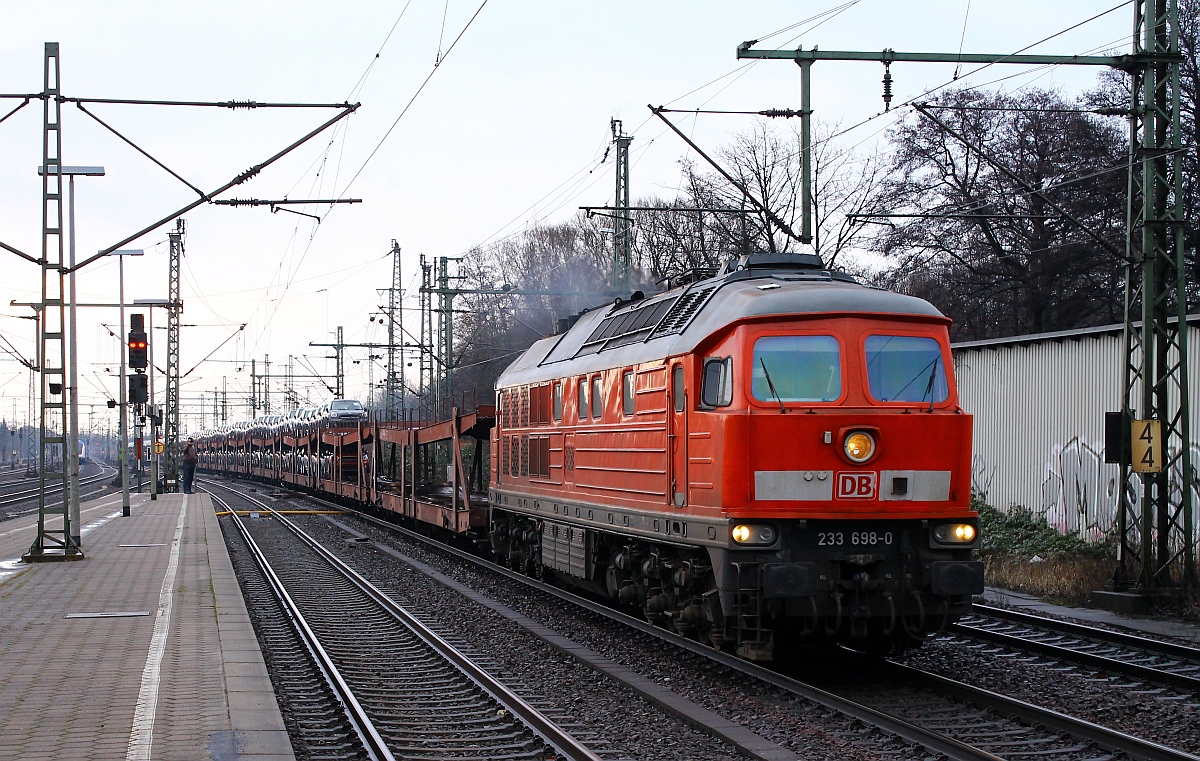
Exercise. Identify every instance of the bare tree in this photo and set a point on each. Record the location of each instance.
(847, 188)
(996, 258)
(767, 163)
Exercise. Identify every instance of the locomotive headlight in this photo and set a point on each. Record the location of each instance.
(756, 534)
(860, 446)
(955, 533)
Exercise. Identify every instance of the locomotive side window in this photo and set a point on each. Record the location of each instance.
(716, 389)
(906, 369)
(628, 403)
(540, 404)
(796, 369)
(558, 401)
(677, 388)
(597, 396)
(581, 398)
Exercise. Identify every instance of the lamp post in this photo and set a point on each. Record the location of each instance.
(124, 430)
(71, 452)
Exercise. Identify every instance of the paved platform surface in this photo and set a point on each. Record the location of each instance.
(179, 676)
(1031, 604)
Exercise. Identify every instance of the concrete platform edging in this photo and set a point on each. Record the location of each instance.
(258, 731)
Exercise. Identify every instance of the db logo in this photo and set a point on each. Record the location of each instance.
(856, 485)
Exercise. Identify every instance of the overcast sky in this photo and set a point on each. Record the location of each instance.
(509, 129)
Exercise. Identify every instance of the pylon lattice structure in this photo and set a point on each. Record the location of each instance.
(174, 317)
(54, 538)
(1156, 543)
(622, 222)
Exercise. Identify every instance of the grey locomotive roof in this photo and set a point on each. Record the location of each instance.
(714, 304)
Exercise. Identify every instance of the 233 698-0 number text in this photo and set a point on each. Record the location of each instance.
(857, 538)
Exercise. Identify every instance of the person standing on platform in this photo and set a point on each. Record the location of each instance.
(190, 460)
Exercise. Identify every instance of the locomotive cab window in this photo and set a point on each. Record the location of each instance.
(581, 398)
(906, 369)
(796, 369)
(597, 396)
(558, 401)
(716, 389)
(628, 402)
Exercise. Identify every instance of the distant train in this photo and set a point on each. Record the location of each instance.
(769, 456)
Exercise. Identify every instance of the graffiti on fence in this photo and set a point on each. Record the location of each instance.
(1077, 492)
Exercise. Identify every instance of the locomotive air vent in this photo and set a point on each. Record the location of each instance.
(683, 311)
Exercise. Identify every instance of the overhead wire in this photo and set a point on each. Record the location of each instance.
(962, 38)
(437, 65)
(821, 18)
(374, 151)
(897, 111)
(835, 10)
(342, 129)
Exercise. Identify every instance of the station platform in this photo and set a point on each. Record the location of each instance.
(1183, 630)
(143, 650)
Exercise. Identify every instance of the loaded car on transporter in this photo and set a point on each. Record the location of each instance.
(772, 455)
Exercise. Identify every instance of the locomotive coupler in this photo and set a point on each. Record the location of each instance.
(837, 622)
(861, 611)
(891, 600)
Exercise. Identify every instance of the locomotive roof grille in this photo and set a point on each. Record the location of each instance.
(683, 311)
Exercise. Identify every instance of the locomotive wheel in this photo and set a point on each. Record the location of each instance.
(703, 633)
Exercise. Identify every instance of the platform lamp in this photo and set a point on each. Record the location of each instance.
(73, 380)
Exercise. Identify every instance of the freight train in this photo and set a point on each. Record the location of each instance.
(769, 456)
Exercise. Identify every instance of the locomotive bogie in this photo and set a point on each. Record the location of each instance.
(864, 583)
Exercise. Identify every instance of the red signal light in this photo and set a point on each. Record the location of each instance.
(138, 343)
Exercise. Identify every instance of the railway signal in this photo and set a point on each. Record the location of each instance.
(138, 342)
(138, 388)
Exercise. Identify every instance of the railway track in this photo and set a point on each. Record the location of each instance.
(948, 717)
(12, 498)
(318, 722)
(9, 477)
(1112, 652)
(406, 691)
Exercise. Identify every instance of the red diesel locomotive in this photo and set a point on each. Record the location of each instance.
(772, 455)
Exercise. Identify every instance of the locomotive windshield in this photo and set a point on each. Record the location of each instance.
(906, 369)
(796, 369)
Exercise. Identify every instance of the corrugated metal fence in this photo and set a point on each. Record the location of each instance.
(1039, 404)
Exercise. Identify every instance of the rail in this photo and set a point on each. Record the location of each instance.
(363, 726)
(562, 741)
(28, 494)
(1114, 652)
